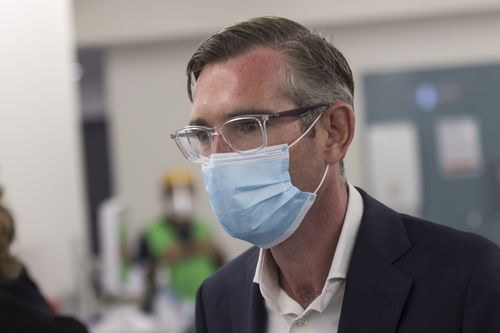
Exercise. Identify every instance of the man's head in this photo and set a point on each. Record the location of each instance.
(311, 70)
(271, 120)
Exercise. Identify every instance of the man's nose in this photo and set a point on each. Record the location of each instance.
(220, 146)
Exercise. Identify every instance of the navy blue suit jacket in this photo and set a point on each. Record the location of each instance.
(406, 275)
(20, 317)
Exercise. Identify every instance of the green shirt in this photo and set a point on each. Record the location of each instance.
(187, 274)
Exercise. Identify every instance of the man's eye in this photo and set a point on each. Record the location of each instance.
(202, 136)
(248, 126)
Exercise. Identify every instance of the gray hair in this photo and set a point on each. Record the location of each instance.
(314, 70)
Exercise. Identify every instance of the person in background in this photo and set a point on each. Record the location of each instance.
(15, 280)
(22, 306)
(272, 118)
(178, 240)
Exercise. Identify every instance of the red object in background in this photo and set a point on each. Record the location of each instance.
(55, 304)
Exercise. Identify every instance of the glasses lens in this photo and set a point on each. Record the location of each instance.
(244, 133)
(195, 143)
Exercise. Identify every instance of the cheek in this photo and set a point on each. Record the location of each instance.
(306, 165)
(281, 131)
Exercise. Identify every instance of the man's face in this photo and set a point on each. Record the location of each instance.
(250, 84)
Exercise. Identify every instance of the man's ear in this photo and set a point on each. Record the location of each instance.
(339, 122)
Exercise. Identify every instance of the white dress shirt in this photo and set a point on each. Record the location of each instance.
(323, 314)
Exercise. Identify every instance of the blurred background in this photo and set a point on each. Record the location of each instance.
(90, 91)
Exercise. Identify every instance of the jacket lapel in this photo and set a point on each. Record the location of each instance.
(376, 291)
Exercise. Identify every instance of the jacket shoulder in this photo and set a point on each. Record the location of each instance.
(441, 239)
(227, 300)
(238, 272)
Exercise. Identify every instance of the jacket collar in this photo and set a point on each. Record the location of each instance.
(376, 291)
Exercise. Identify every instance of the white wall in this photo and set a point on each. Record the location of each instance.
(105, 22)
(146, 81)
(39, 139)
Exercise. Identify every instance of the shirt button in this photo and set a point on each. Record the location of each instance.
(302, 322)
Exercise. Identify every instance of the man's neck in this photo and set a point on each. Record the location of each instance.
(303, 261)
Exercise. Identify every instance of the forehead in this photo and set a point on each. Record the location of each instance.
(250, 82)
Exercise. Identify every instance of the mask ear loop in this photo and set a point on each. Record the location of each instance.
(306, 131)
(300, 137)
(322, 179)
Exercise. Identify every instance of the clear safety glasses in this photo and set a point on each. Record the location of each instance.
(243, 134)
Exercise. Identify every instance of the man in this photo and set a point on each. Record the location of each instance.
(272, 119)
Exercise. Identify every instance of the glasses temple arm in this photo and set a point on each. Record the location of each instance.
(297, 112)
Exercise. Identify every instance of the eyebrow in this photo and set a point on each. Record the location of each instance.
(242, 112)
(199, 122)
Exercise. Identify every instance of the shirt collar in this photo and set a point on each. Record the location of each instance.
(345, 245)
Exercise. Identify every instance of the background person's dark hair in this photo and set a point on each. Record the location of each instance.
(9, 266)
(314, 70)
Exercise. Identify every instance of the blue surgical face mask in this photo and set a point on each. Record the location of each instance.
(253, 196)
